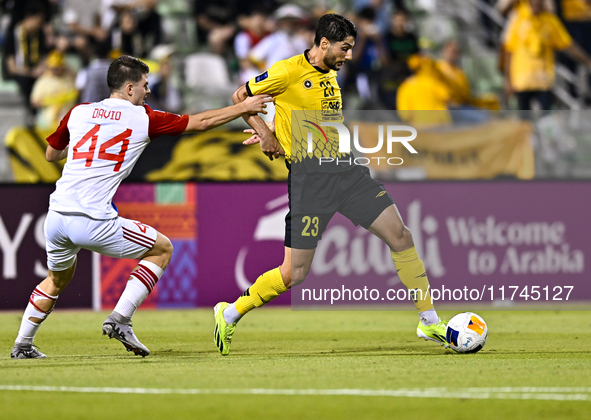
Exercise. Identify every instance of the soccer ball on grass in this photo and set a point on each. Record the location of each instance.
(466, 332)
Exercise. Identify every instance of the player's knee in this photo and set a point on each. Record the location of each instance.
(298, 274)
(163, 251)
(402, 240)
(167, 250)
(56, 281)
(406, 235)
(168, 247)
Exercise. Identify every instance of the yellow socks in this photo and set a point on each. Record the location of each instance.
(412, 273)
(267, 287)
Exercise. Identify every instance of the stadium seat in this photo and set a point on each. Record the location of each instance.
(208, 80)
(435, 30)
(483, 73)
(173, 7)
(206, 71)
(180, 30)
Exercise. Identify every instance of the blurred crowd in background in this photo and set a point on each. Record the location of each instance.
(58, 52)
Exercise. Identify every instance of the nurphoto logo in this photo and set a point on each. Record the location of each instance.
(345, 143)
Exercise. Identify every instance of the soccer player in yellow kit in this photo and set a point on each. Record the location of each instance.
(307, 84)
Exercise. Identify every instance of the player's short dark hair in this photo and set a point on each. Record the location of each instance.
(125, 69)
(335, 28)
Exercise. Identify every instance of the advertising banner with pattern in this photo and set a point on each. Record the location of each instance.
(224, 236)
(171, 209)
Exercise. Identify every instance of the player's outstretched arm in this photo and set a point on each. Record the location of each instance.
(216, 117)
(53, 155)
(269, 144)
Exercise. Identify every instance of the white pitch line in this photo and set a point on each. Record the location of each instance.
(534, 389)
(502, 393)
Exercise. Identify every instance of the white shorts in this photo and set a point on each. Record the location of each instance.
(66, 234)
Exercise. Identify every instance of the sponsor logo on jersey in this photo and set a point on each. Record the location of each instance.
(331, 108)
(307, 83)
(261, 77)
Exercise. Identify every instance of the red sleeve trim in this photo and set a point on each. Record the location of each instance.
(161, 123)
(60, 138)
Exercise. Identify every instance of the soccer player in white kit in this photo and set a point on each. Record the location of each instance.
(102, 142)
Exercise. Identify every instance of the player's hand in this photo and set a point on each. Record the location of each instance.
(256, 104)
(272, 148)
(253, 139)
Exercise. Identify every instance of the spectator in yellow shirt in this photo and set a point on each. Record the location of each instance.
(533, 37)
(576, 15)
(453, 75)
(464, 106)
(576, 10)
(54, 93)
(422, 99)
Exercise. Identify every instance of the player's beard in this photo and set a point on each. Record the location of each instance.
(330, 60)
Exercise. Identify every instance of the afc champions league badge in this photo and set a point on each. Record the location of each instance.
(307, 84)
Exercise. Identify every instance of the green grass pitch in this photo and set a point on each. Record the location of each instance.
(300, 365)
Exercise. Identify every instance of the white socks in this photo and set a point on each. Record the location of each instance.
(429, 317)
(231, 315)
(28, 328)
(141, 282)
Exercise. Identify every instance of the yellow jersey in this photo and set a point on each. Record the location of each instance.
(305, 96)
(422, 99)
(576, 10)
(532, 42)
(455, 78)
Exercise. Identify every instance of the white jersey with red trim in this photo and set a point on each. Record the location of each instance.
(105, 141)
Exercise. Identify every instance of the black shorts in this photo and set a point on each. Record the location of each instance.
(315, 197)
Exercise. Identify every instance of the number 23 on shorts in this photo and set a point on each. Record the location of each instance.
(310, 226)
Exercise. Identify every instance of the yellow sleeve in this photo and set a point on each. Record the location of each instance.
(560, 37)
(271, 82)
(402, 98)
(512, 37)
(464, 85)
(440, 90)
